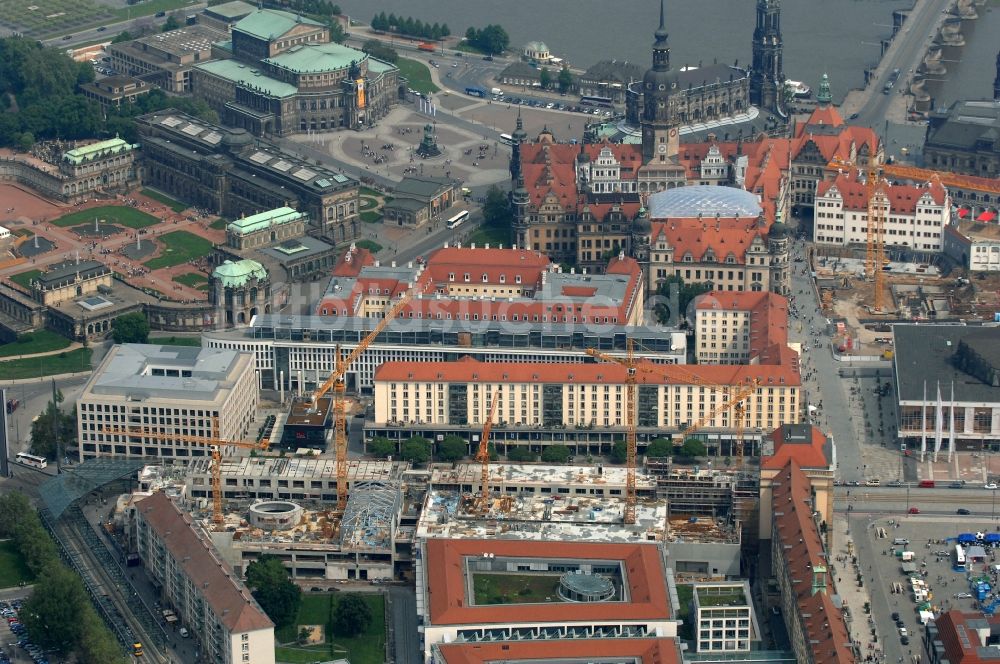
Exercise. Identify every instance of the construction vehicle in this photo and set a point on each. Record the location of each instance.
(483, 457)
(337, 382)
(137, 649)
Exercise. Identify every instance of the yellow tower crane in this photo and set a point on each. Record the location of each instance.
(213, 442)
(337, 382)
(483, 457)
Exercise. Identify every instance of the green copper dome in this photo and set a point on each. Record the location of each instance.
(238, 273)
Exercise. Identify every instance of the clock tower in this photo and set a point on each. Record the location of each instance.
(660, 136)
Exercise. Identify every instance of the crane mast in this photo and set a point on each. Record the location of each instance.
(483, 456)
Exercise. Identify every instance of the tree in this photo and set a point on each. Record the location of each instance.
(130, 329)
(619, 452)
(674, 290)
(520, 454)
(381, 447)
(337, 32)
(52, 430)
(377, 49)
(304, 634)
(452, 448)
(53, 609)
(565, 79)
(496, 210)
(556, 454)
(491, 450)
(25, 141)
(416, 450)
(171, 24)
(123, 36)
(692, 448)
(274, 591)
(545, 78)
(661, 447)
(352, 616)
(445, 31)
(380, 23)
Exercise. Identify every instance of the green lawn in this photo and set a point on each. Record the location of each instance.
(171, 203)
(317, 609)
(24, 278)
(13, 570)
(112, 214)
(685, 592)
(418, 75)
(368, 191)
(219, 224)
(46, 18)
(370, 245)
(515, 588)
(179, 247)
(41, 341)
(73, 361)
(176, 341)
(192, 279)
(371, 216)
(492, 236)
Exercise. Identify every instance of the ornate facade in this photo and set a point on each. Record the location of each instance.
(767, 76)
(284, 76)
(226, 171)
(74, 175)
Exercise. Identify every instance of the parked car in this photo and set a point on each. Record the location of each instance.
(905, 640)
(963, 595)
(962, 510)
(991, 486)
(895, 615)
(914, 510)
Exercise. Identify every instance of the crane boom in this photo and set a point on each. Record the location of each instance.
(337, 383)
(483, 455)
(214, 443)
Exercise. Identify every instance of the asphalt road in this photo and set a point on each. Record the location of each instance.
(898, 500)
(403, 630)
(909, 48)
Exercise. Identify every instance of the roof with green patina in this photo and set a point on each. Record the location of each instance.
(269, 23)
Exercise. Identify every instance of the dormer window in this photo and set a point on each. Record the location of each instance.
(486, 278)
(517, 278)
(503, 278)
(467, 277)
(451, 276)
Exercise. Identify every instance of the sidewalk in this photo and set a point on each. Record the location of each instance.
(842, 574)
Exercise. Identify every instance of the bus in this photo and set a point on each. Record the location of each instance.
(959, 563)
(31, 460)
(593, 100)
(506, 139)
(458, 219)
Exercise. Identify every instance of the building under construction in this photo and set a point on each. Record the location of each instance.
(575, 504)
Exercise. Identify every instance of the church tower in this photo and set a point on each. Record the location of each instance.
(824, 97)
(660, 138)
(767, 77)
(517, 139)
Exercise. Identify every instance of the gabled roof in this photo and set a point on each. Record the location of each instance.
(768, 319)
(230, 601)
(724, 237)
(962, 635)
(903, 198)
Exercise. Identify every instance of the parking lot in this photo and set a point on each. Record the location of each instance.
(932, 561)
(15, 645)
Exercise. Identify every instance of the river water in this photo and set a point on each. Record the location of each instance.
(971, 77)
(586, 31)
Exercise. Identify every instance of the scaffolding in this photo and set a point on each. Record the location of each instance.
(370, 518)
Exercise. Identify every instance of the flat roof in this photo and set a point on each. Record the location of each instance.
(237, 72)
(142, 371)
(297, 249)
(183, 40)
(315, 58)
(924, 355)
(232, 10)
(446, 582)
(270, 23)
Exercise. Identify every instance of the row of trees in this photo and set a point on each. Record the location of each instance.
(58, 613)
(409, 26)
(268, 581)
(492, 39)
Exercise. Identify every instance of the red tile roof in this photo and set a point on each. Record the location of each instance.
(724, 236)
(449, 605)
(809, 454)
(903, 198)
(825, 115)
(950, 623)
(230, 601)
(468, 370)
(351, 262)
(802, 554)
(644, 651)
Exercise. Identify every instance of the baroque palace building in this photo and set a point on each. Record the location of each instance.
(280, 74)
